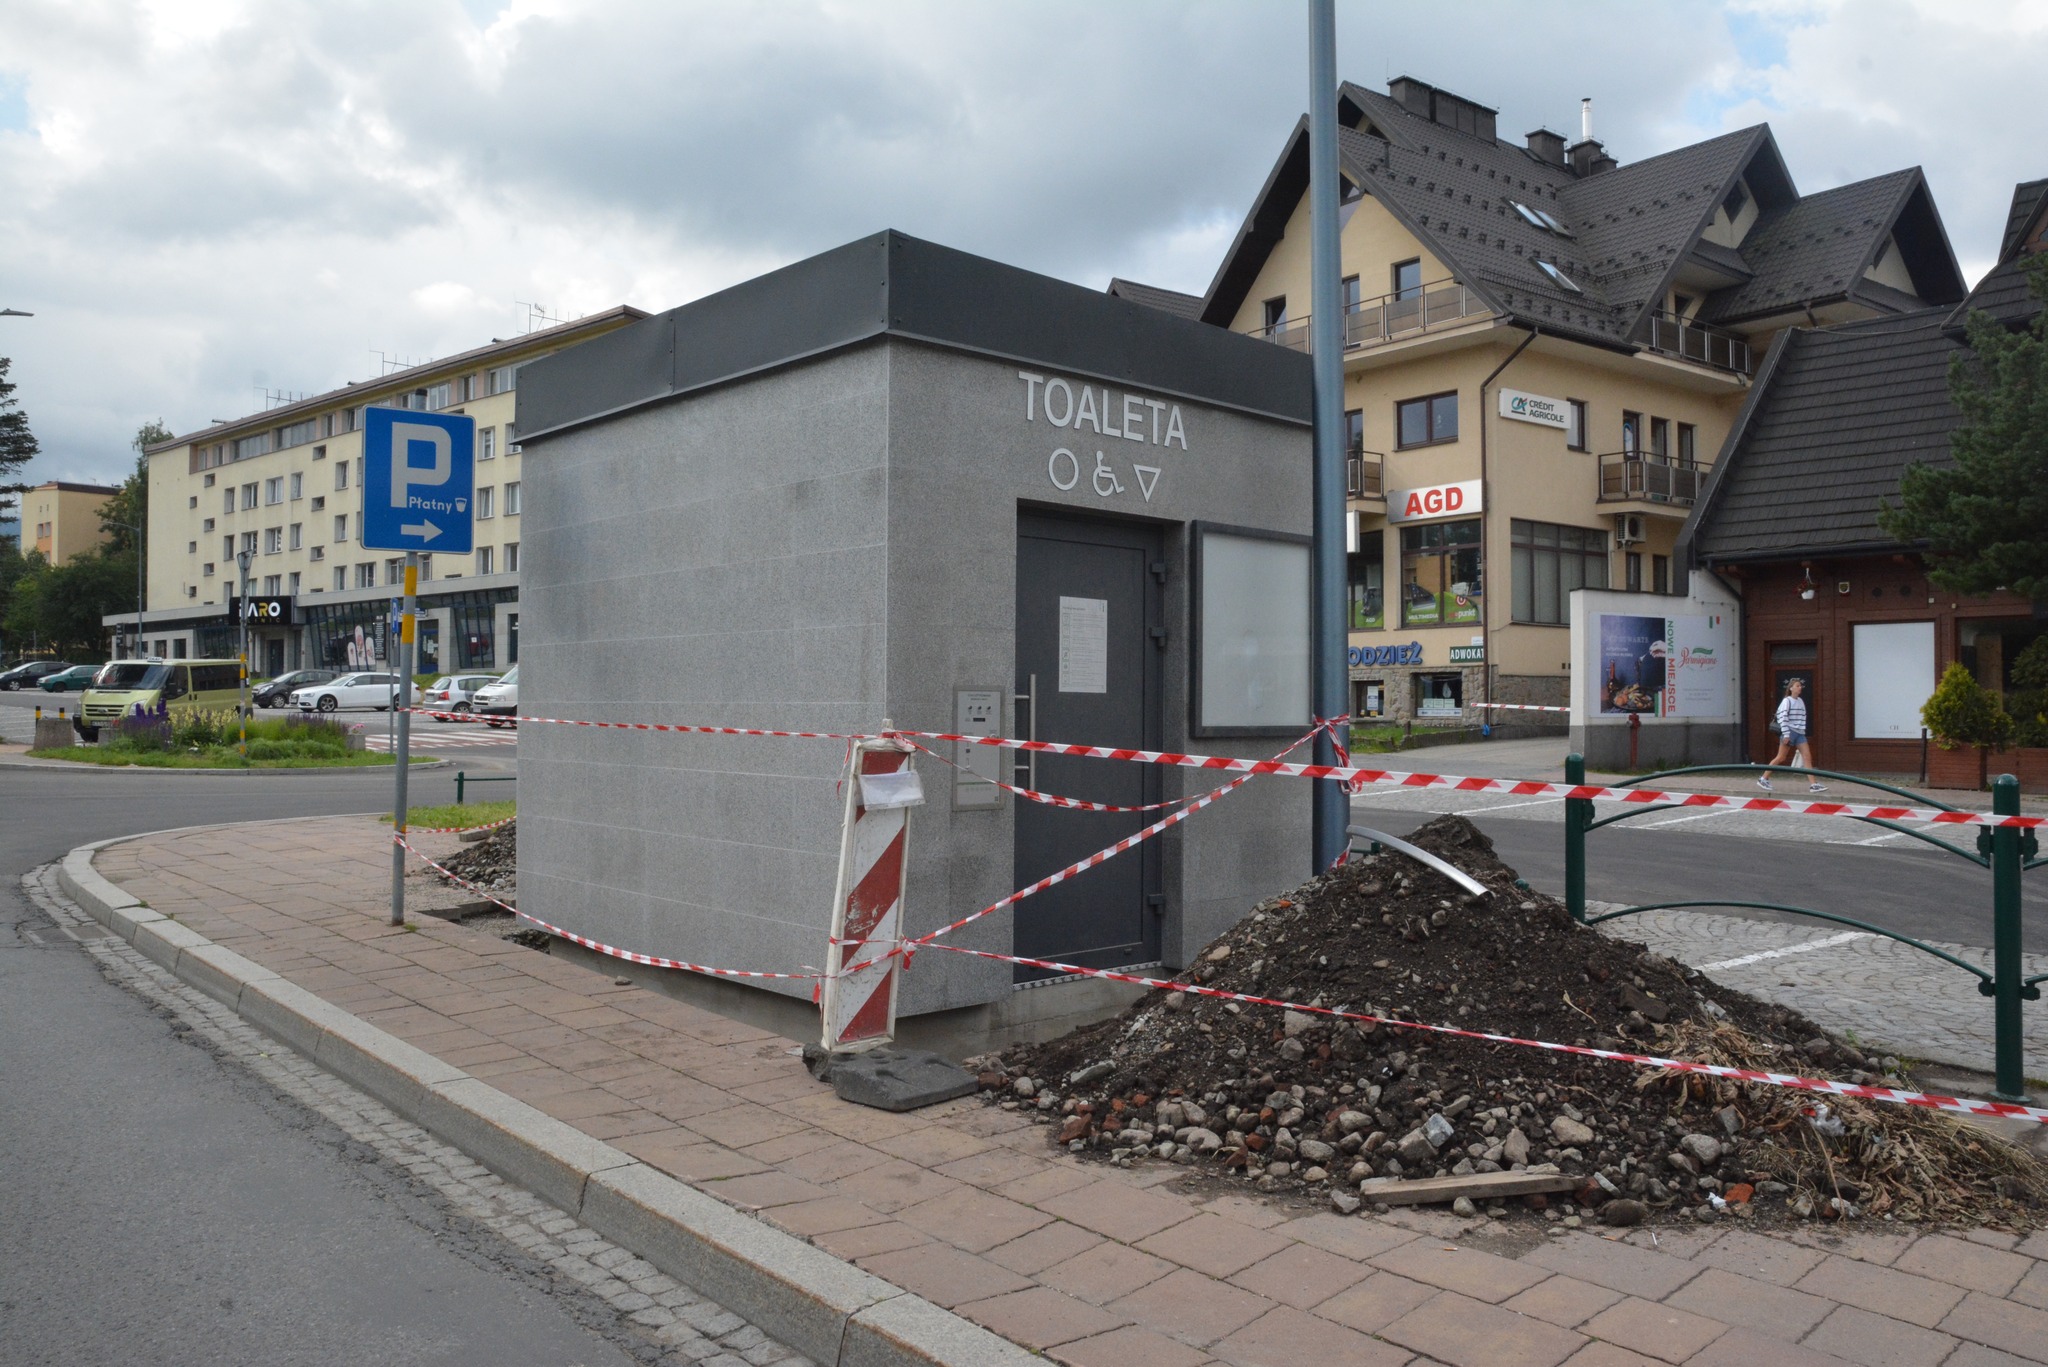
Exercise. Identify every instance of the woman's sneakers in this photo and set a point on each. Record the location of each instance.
(1763, 781)
(1816, 787)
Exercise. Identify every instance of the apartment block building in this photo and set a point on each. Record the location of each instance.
(284, 487)
(62, 519)
(1543, 351)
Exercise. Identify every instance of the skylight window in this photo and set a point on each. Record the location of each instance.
(1541, 218)
(1560, 277)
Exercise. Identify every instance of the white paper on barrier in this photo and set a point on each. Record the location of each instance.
(886, 792)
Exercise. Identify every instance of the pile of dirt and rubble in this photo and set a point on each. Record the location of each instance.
(1308, 1106)
(491, 863)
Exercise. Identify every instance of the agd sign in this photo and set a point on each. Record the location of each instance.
(1435, 500)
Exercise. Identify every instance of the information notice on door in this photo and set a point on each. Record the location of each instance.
(1084, 645)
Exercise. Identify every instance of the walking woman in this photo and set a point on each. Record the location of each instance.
(1791, 722)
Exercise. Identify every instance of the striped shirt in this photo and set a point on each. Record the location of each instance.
(1792, 715)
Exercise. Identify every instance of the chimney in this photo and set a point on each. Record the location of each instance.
(1411, 94)
(1546, 146)
(1586, 119)
(1586, 158)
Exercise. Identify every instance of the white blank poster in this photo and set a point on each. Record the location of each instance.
(1894, 664)
(1253, 601)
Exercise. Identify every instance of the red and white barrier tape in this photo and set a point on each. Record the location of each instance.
(457, 830)
(642, 726)
(1516, 707)
(1356, 777)
(1931, 1100)
(631, 956)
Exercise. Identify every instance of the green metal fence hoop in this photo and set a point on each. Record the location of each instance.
(1918, 799)
(1983, 977)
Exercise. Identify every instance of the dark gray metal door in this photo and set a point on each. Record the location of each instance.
(1090, 638)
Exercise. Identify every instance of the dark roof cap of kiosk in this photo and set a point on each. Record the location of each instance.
(893, 285)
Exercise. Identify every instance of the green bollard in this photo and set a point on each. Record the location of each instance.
(2005, 942)
(1578, 814)
(458, 787)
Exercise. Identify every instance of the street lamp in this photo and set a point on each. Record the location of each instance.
(132, 527)
(242, 559)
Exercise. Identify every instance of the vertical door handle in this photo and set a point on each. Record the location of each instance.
(1026, 766)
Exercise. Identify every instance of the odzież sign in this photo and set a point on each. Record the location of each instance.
(1437, 500)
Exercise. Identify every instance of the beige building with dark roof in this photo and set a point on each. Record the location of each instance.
(61, 519)
(1543, 350)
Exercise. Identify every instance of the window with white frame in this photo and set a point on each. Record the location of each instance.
(227, 547)
(227, 500)
(512, 499)
(340, 578)
(292, 582)
(191, 548)
(248, 496)
(511, 557)
(486, 499)
(207, 525)
(340, 476)
(366, 575)
(341, 526)
(440, 396)
(317, 553)
(206, 570)
(503, 379)
(319, 502)
(298, 485)
(273, 490)
(249, 542)
(273, 540)
(273, 583)
(297, 534)
(487, 443)
(483, 560)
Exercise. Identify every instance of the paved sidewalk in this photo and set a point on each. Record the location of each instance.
(967, 1206)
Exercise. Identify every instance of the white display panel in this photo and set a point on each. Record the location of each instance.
(1894, 663)
(1252, 634)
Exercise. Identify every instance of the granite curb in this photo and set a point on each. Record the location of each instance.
(822, 1306)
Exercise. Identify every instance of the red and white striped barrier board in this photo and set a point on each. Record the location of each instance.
(859, 1009)
(1516, 707)
(456, 830)
(1894, 1095)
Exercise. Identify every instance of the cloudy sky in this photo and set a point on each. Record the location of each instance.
(202, 200)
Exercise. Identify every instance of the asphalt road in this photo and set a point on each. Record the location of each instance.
(161, 1207)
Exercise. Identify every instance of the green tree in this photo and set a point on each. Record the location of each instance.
(59, 607)
(17, 443)
(1984, 518)
(129, 508)
(12, 568)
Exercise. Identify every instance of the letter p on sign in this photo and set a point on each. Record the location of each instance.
(406, 439)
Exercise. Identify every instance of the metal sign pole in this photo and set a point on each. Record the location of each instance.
(1332, 806)
(401, 706)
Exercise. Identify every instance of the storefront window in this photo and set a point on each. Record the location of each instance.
(1368, 698)
(1368, 573)
(1440, 573)
(1439, 695)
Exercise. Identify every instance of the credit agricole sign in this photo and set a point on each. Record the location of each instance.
(1523, 407)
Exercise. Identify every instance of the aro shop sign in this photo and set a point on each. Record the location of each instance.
(1437, 500)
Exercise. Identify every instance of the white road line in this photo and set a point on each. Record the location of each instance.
(1681, 820)
(1510, 806)
(1807, 947)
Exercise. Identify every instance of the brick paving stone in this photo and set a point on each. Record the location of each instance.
(1042, 1317)
(1977, 1355)
(2035, 1245)
(944, 1275)
(1244, 1210)
(973, 1220)
(1660, 1331)
(2033, 1288)
(1467, 1333)
(1753, 1255)
(1043, 1247)
(1118, 1211)
(1995, 1323)
(1742, 1347)
(823, 1217)
(1608, 1355)
(1129, 1346)
(991, 1167)
(1357, 1238)
(1302, 1276)
(1049, 1181)
(1483, 1276)
(1618, 1266)
(1564, 1301)
(765, 1190)
(863, 1240)
(1965, 1263)
(1286, 1337)
(1190, 1307)
(1213, 1245)
(1376, 1302)
(1878, 1340)
(1774, 1311)
(1106, 1272)
(893, 1184)
(933, 1145)
(1917, 1300)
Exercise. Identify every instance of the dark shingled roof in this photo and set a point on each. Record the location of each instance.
(1815, 248)
(1631, 227)
(1152, 296)
(1831, 425)
(2002, 292)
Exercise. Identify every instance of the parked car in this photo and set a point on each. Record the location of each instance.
(353, 690)
(456, 692)
(278, 691)
(124, 687)
(498, 702)
(73, 680)
(30, 672)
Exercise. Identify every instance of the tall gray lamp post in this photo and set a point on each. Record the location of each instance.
(242, 559)
(1331, 804)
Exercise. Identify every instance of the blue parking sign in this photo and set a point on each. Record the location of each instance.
(419, 481)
